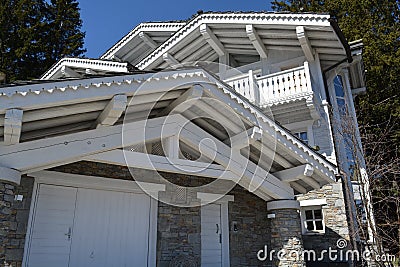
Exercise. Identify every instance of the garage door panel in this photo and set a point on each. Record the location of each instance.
(108, 228)
(111, 229)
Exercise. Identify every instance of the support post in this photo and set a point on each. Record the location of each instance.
(285, 226)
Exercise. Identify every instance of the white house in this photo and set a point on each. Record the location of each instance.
(209, 142)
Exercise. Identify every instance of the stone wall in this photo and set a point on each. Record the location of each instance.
(250, 213)
(335, 218)
(179, 228)
(286, 236)
(14, 220)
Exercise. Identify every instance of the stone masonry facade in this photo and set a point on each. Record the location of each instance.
(335, 219)
(179, 229)
(14, 220)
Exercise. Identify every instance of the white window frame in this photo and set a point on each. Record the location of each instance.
(312, 204)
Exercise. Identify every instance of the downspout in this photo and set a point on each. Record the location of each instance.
(343, 177)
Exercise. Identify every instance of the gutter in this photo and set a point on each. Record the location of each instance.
(342, 38)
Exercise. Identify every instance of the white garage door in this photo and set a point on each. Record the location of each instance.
(88, 227)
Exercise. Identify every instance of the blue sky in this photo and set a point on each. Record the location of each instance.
(105, 22)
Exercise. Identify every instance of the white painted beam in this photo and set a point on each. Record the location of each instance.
(299, 188)
(185, 101)
(295, 173)
(310, 181)
(305, 43)
(252, 177)
(212, 40)
(12, 126)
(10, 175)
(68, 72)
(256, 41)
(171, 61)
(113, 111)
(73, 147)
(245, 138)
(160, 163)
(147, 40)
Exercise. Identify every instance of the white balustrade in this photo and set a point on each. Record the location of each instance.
(273, 87)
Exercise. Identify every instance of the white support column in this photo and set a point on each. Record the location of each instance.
(223, 66)
(147, 40)
(257, 42)
(113, 111)
(305, 43)
(12, 126)
(171, 147)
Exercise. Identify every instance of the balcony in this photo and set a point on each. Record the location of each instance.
(283, 92)
(273, 88)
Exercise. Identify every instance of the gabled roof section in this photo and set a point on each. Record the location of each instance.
(311, 33)
(62, 107)
(141, 41)
(81, 67)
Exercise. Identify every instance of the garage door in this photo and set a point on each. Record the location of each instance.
(88, 227)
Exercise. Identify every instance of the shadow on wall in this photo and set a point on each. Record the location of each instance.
(321, 242)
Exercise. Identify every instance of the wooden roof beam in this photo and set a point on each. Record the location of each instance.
(171, 61)
(212, 40)
(12, 126)
(245, 138)
(68, 72)
(295, 173)
(147, 40)
(113, 111)
(256, 41)
(185, 101)
(305, 43)
(60, 150)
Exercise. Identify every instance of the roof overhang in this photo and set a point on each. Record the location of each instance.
(243, 35)
(79, 67)
(141, 41)
(75, 120)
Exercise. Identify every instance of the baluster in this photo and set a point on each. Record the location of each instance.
(303, 81)
(281, 80)
(292, 87)
(307, 74)
(297, 81)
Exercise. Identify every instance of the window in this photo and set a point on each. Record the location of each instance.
(302, 136)
(340, 96)
(313, 220)
(312, 216)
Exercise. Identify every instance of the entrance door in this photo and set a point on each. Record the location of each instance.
(211, 236)
(79, 227)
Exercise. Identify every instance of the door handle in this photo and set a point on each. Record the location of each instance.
(69, 233)
(217, 228)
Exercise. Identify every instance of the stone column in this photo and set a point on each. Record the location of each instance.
(8, 180)
(286, 236)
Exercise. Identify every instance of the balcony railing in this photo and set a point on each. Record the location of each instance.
(273, 87)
